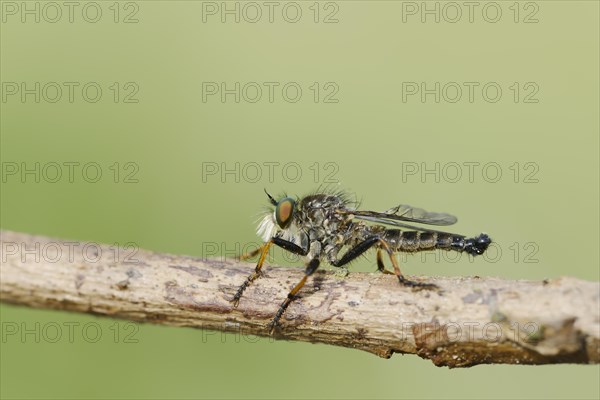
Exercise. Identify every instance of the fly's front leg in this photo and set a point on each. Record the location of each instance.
(264, 250)
(252, 253)
(401, 278)
(310, 268)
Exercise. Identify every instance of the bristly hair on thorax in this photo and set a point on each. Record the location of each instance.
(267, 225)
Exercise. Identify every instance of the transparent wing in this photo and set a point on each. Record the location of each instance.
(397, 223)
(413, 214)
(406, 213)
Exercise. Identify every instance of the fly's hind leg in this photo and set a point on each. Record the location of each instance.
(397, 272)
(382, 244)
(380, 264)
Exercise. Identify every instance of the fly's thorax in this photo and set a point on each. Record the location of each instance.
(325, 228)
(315, 250)
(323, 224)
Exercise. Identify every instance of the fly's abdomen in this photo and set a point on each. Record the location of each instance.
(412, 241)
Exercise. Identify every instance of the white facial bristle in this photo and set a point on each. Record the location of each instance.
(266, 227)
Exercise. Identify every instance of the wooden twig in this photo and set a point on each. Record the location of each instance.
(471, 321)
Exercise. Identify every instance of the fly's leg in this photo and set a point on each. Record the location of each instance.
(310, 268)
(253, 253)
(380, 264)
(356, 251)
(264, 250)
(401, 278)
(366, 245)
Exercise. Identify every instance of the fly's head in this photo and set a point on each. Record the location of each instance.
(279, 219)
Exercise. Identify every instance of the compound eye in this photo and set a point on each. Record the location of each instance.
(284, 211)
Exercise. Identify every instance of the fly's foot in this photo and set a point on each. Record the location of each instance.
(416, 285)
(238, 295)
(243, 286)
(385, 272)
(275, 321)
(272, 326)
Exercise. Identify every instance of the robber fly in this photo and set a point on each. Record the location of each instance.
(320, 225)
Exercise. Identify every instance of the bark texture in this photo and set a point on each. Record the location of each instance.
(470, 321)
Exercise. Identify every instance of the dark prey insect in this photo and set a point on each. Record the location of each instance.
(320, 225)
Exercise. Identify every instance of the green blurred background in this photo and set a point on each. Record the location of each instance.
(362, 129)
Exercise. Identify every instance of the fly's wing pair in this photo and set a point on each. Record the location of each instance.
(404, 212)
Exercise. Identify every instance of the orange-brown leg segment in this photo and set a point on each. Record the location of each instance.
(252, 254)
(264, 250)
(401, 278)
(380, 264)
(310, 268)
